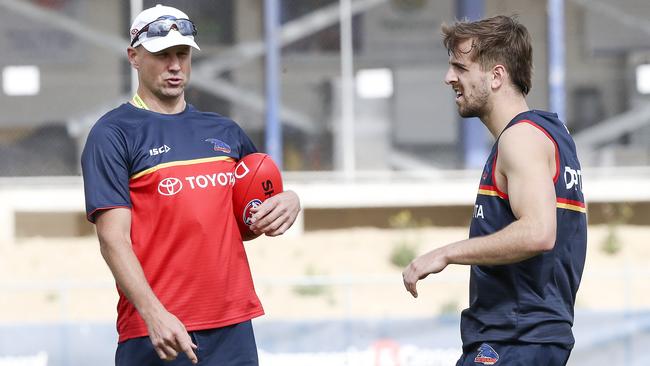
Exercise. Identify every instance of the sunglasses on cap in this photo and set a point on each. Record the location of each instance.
(161, 27)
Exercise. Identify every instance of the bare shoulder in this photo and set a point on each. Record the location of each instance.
(525, 146)
(524, 138)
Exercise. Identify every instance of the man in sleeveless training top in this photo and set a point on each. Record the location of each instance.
(528, 233)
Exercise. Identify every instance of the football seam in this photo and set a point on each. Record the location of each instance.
(244, 203)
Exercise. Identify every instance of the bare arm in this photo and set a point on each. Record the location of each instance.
(276, 215)
(167, 333)
(526, 163)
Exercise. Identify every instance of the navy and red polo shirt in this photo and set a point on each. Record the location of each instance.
(175, 173)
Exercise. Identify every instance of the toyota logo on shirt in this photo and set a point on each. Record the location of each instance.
(170, 186)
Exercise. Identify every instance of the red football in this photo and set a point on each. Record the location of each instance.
(256, 179)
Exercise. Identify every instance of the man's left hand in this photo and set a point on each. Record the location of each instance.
(421, 267)
(275, 215)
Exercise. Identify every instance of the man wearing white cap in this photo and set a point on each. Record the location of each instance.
(158, 185)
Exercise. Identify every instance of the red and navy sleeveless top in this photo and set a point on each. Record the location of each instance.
(531, 301)
(175, 174)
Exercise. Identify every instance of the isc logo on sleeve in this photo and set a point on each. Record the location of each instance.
(159, 150)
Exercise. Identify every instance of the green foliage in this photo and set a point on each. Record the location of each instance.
(616, 215)
(402, 254)
(612, 243)
(405, 248)
(52, 296)
(449, 307)
(401, 220)
(311, 289)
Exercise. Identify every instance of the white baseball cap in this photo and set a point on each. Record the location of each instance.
(174, 36)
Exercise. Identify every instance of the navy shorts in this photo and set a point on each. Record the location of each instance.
(233, 345)
(522, 354)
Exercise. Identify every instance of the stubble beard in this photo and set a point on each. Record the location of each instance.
(477, 106)
(469, 111)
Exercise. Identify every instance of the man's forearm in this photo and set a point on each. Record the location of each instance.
(129, 275)
(516, 242)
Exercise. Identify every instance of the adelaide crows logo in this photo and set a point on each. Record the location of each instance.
(486, 355)
(248, 215)
(219, 145)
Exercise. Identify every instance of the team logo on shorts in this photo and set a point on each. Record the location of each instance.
(486, 355)
(247, 210)
(219, 145)
(170, 186)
